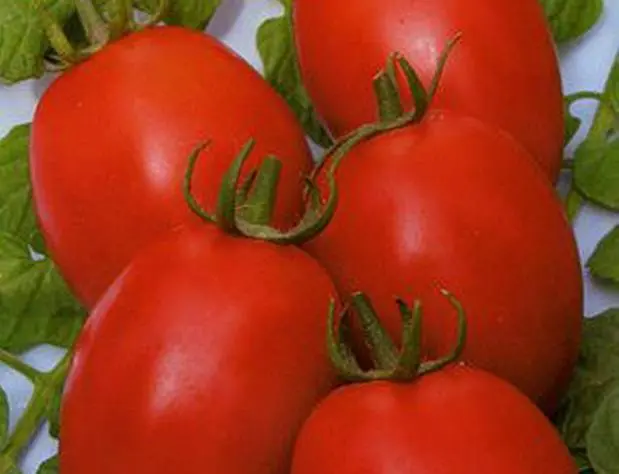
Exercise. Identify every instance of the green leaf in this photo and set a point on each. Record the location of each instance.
(23, 42)
(4, 419)
(35, 304)
(604, 263)
(596, 172)
(16, 213)
(573, 204)
(596, 161)
(595, 377)
(582, 461)
(8, 465)
(50, 466)
(281, 69)
(570, 19)
(603, 436)
(189, 13)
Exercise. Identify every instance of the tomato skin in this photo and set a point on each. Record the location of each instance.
(430, 206)
(207, 352)
(112, 136)
(456, 421)
(503, 71)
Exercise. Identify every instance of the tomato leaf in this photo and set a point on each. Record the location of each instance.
(50, 466)
(22, 40)
(604, 263)
(16, 213)
(582, 461)
(189, 13)
(603, 435)
(596, 161)
(595, 377)
(8, 466)
(596, 172)
(281, 69)
(35, 304)
(570, 19)
(573, 204)
(4, 419)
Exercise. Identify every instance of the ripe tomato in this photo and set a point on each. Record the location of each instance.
(503, 71)
(459, 420)
(430, 206)
(111, 137)
(207, 353)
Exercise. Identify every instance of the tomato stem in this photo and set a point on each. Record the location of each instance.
(404, 366)
(409, 361)
(16, 364)
(433, 366)
(163, 8)
(421, 97)
(259, 206)
(233, 195)
(246, 186)
(338, 345)
(387, 97)
(191, 201)
(97, 31)
(442, 63)
(57, 37)
(120, 15)
(381, 346)
(45, 386)
(226, 213)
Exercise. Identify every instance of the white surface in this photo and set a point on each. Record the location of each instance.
(585, 66)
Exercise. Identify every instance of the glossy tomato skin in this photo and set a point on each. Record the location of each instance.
(430, 206)
(111, 139)
(207, 353)
(457, 421)
(503, 71)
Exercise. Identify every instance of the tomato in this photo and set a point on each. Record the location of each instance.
(459, 420)
(207, 352)
(504, 70)
(429, 206)
(111, 137)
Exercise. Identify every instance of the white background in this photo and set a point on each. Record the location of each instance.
(585, 66)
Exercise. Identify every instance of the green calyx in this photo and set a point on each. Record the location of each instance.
(245, 208)
(391, 112)
(392, 364)
(101, 26)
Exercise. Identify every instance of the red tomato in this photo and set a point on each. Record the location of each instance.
(456, 421)
(430, 206)
(504, 70)
(111, 137)
(206, 355)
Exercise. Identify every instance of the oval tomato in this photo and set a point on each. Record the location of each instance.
(111, 137)
(430, 206)
(459, 420)
(207, 353)
(503, 71)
